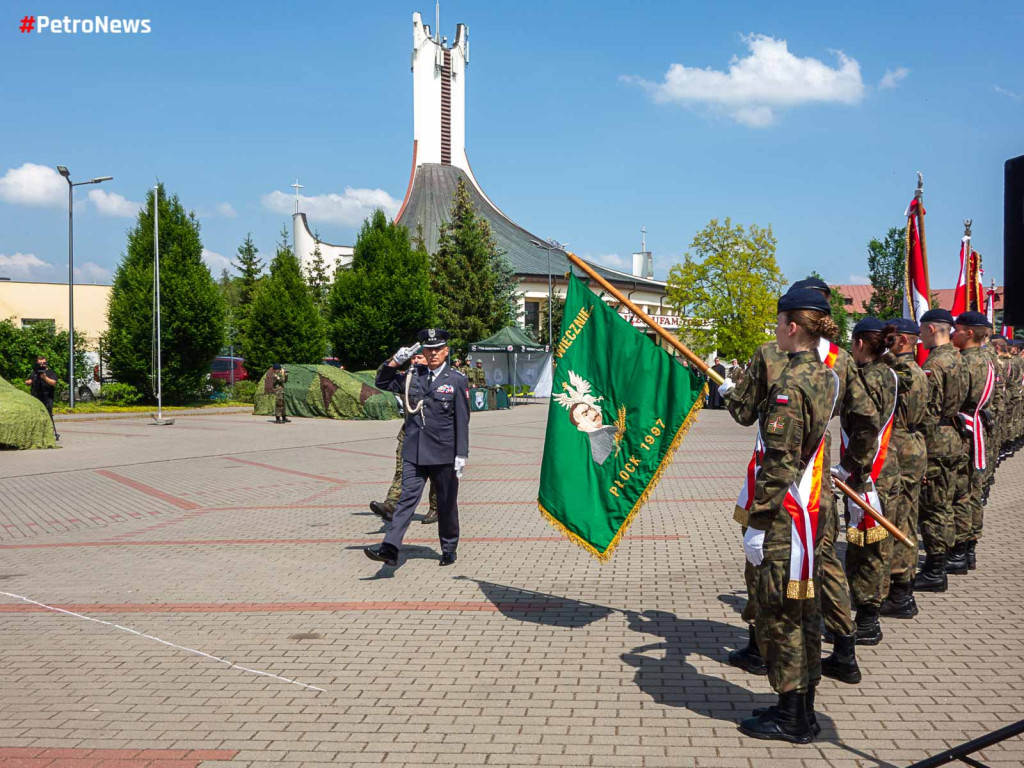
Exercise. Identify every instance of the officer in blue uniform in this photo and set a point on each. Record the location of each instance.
(436, 442)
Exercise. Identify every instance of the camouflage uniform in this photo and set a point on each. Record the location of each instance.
(1015, 387)
(867, 561)
(280, 377)
(967, 509)
(947, 387)
(909, 444)
(395, 491)
(789, 628)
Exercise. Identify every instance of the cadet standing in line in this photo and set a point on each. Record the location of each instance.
(972, 330)
(280, 378)
(783, 533)
(868, 544)
(947, 387)
(859, 419)
(436, 442)
(912, 455)
(386, 509)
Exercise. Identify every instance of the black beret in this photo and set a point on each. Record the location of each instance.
(432, 338)
(804, 298)
(937, 316)
(973, 320)
(906, 325)
(999, 337)
(277, 366)
(811, 282)
(866, 324)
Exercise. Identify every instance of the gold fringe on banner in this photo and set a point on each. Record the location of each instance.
(605, 556)
(800, 590)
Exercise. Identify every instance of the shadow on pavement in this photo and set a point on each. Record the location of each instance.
(539, 607)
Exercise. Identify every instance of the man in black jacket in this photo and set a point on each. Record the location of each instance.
(43, 381)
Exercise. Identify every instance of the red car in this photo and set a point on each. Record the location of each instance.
(222, 369)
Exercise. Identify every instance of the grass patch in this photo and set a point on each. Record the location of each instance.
(94, 407)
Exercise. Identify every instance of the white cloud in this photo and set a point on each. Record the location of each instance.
(893, 77)
(1009, 94)
(858, 280)
(91, 272)
(612, 260)
(24, 266)
(349, 209)
(226, 210)
(756, 87)
(216, 262)
(35, 185)
(113, 204)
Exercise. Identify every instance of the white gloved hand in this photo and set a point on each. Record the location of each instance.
(855, 512)
(403, 355)
(460, 463)
(870, 495)
(727, 387)
(839, 473)
(753, 546)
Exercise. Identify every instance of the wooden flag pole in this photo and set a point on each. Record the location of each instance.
(637, 312)
(919, 195)
(881, 519)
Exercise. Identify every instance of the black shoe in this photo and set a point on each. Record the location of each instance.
(56, 436)
(383, 554)
(932, 577)
(749, 659)
(900, 604)
(787, 721)
(287, 420)
(972, 556)
(812, 718)
(956, 562)
(841, 665)
(277, 419)
(448, 558)
(869, 629)
(381, 510)
(430, 518)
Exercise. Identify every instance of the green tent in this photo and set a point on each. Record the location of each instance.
(512, 357)
(325, 391)
(24, 422)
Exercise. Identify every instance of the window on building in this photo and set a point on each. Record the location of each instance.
(27, 321)
(532, 319)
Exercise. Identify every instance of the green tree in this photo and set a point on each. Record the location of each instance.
(231, 291)
(250, 270)
(470, 277)
(557, 310)
(318, 279)
(283, 325)
(886, 264)
(726, 288)
(20, 345)
(383, 300)
(192, 309)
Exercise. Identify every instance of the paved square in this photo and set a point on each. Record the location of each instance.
(234, 537)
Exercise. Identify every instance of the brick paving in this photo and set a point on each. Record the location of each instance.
(239, 539)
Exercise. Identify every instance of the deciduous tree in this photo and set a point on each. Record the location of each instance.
(886, 266)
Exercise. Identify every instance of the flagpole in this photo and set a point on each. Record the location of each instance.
(637, 312)
(919, 196)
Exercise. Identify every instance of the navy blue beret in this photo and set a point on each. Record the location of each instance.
(866, 324)
(937, 316)
(906, 325)
(811, 282)
(804, 298)
(973, 320)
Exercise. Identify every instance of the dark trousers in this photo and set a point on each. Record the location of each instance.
(414, 477)
(48, 402)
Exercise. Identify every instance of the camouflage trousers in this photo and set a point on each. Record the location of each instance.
(832, 585)
(913, 459)
(788, 631)
(279, 405)
(935, 508)
(867, 563)
(395, 491)
(968, 512)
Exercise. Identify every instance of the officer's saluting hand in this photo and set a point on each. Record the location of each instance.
(436, 441)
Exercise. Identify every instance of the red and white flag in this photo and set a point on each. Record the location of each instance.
(960, 292)
(990, 308)
(915, 288)
(1007, 332)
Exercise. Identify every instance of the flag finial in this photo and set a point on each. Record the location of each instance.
(919, 192)
(967, 227)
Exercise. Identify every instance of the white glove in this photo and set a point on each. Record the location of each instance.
(727, 387)
(839, 473)
(403, 355)
(460, 463)
(855, 512)
(753, 546)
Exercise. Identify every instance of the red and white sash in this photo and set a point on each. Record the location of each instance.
(868, 531)
(973, 421)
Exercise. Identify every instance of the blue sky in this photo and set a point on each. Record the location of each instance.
(576, 125)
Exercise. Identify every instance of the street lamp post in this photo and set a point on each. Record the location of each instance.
(551, 245)
(63, 171)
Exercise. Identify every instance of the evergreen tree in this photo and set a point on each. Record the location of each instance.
(283, 325)
(384, 299)
(250, 268)
(318, 279)
(231, 290)
(192, 309)
(473, 282)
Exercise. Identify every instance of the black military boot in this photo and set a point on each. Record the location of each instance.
(430, 518)
(900, 604)
(972, 557)
(932, 577)
(841, 665)
(869, 629)
(786, 721)
(812, 719)
(749, 659)
(956, 563)
(277, 419)
(382, 510)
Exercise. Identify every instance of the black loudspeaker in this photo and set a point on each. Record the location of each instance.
(1013, 242)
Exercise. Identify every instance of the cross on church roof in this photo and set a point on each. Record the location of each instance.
(296, 186)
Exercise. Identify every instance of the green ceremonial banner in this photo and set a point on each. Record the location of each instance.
(620, 406)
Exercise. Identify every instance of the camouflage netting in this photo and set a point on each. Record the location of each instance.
(325, 391)
(24, 422)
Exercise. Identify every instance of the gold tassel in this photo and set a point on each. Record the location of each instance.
(855, 537)
(605, 556)
(800, 590)
(876, 534)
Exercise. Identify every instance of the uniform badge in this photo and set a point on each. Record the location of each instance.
(782, 399)
(445, 389)
(776, 426)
